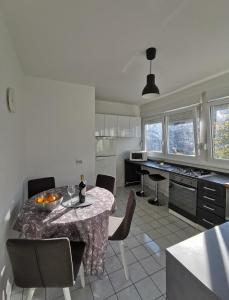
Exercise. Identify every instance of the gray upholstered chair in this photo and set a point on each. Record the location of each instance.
(119, 228)
(46, 263)
(36, 186)
(106, 182)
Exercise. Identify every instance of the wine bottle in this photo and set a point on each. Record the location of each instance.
(82, 189)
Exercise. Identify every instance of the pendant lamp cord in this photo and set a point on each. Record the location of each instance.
(150, 66)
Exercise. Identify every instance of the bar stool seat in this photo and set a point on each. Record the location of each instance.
(156, 178)
(142, 173)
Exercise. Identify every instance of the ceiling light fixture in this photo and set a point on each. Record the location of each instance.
(150, 90)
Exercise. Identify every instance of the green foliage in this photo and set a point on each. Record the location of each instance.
(221, 140)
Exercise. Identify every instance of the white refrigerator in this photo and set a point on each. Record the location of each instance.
(105, 161)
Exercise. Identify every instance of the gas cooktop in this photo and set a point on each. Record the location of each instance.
(192, 172)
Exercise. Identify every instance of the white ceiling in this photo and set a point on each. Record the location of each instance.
(102, 42)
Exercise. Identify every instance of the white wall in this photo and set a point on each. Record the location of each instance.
(11, 145)
(59, 129)
(115, 108)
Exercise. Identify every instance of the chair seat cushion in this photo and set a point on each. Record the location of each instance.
(156, 177)
(142, 172)
(114, 223)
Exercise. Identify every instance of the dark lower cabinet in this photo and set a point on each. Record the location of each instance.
(131, 176)
(211, 204)
(211, 208)
(207, 219)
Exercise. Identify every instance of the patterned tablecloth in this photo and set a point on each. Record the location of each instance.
(88, 224)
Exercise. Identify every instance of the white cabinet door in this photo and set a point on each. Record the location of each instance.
(123, 126)
(135, 127)
(99, 125)
(111, 124)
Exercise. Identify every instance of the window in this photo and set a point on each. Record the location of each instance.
(175, 134)
(181, 134)
(154, 136)
(220, 131)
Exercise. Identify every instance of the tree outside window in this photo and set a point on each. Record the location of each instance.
(220, 131)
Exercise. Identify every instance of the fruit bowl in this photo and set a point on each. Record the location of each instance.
(48, 200)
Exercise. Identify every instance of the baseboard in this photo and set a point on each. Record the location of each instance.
(193, 224)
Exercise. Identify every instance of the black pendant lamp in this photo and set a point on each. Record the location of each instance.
(150, 90)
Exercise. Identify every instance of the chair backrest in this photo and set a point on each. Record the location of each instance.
(42, 263)
(106, 182)
(36, 186)
(124, 228)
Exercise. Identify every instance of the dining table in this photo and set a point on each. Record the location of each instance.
(88, 224)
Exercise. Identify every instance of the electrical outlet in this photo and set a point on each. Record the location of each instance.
(79, 161)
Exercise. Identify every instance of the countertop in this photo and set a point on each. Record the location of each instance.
(217, 178)
(206, 257)
(167, 167)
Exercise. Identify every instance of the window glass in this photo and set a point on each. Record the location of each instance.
(181, 137)
(153, 137)
(220, 131)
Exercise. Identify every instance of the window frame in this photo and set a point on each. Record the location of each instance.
(181, 157)
(211, 104)
(152, 120)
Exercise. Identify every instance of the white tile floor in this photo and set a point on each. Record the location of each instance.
(153, 229)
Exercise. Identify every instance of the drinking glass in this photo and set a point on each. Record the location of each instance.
(71, 190)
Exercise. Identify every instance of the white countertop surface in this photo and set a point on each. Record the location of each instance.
(206, 256)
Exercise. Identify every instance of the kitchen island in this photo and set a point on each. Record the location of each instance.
(198, 268)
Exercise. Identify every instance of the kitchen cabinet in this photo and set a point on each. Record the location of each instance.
(200, 266)
(111, 125)
(135, 127)
(99, 125)
(123, 126)
(117, 126)
(211, 204)
(131, 176)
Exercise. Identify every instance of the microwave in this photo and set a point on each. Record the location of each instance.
(138, 155)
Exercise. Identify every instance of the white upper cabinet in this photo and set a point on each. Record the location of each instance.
(99, 125)
(111, 125)
(117, 126)
(123, 126)
(135, 127)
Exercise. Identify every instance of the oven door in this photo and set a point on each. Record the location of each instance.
(182, 197)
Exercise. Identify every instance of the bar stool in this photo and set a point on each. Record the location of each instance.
(156, 178)
(142, 173)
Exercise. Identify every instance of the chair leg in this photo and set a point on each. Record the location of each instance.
(30, 294)
(67, 295)
(155, 200)
(81, 272)
(124, 259)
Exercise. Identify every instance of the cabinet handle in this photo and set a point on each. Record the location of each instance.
(208, 222)
(209, 189)
(208, 198)
(209, 208)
